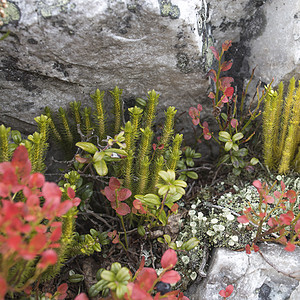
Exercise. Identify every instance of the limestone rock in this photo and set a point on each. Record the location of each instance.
(252, 276)
(62, 50)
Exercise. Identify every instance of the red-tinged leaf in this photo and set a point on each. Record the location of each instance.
(21, 162)
(114, 183)
(123, 209)
(272, 222)
(248, 249)
(229, 290)
(225, 99)
(255, 248)
(291, 195)
(262, 215)
(174, 208)
(51, 193)
(110, 194)
(14, 242)
(4, 190)
(124, 194)
(290, 247)
(193, 112)
(222, 293)
(170, 277)
(225, 82)
(139, 293)
(282, 185)
(71, 193)
(64, 207)
(243, 219)
(277, 194)
(226, 45)
(137, 204)
(76, 201)
(81, 296)
(211, 95)
(36, 180)
(82, 160)
(206, 134)
(49, 257)
(142, 264)
(205, 124)
(215, 52)
(169, 259)
(212, 74)
(229, 91)
(269, 199)
(286, 218)
(257, 184)
(226, 65)
(3, 287)
(234, 123)
(56, 234)
(154, 147)
(62, 288)
(282, 240)
(199, 107)
(146, 278)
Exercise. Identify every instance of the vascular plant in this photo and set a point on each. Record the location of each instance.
(229, 112)
(275, 219)
(33, 237)
(227, 292)
(143, 285)
(281, 118)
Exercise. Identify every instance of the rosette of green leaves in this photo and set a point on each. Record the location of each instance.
(116, 280)
(186, 162)
(100, 158)
(236, 155)
(187, 246)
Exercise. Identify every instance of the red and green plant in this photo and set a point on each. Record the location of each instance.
(234, 124)
(145, 284)
(275, 219)
(30, 228)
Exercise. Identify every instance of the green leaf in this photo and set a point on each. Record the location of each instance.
(235, 147)
(224, 117)
(101, 167)
(163, 218)
(224, 136)
(88, 147)
(149, 199)
(237, 136)
(121, 290)
(237, 171)
(190, 162)
(243, 152)
(123, 275)
(228, 146)
(197, 155)
(97, 247)
(192, 174)
(16, 136)
(224, 159)
(96, 288)
(167, 238)
(161, 240)
(163, 189)
(115, 268)
(75, 278)
(254, 161)
(141, 230)
(98, 156)
(190, 244)
(180, 183)
(235, 161)
(110, 151)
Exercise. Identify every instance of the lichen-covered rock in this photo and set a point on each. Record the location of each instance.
(62, 50)
(252, 276)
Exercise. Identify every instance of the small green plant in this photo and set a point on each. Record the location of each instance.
(281, 118)
(234, 124)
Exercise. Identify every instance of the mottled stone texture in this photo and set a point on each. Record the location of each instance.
(252, 276)
(62, 50)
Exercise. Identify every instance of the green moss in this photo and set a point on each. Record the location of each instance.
(169, 10)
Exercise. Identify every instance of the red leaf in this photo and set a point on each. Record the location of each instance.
(290, 247)
(124, 194)
(71, 193)
(234, 123)
(81, 296)
(174, 207)
(56, 234)
(257, 184)
(248, 249)
(3, 287)
(146, 278)
(287, 218)
(81, 160)
(212, 74)
(242, 219)
(36, 180)
(226, 45)
(226, 65)
(52, 194)
(211, 95)
(272, 222)
(49, 257)
(291, 195)
(14, 242)
(21, 162)
(229, 91)
(225, 82)
(170, 277)
(62, 288)
(114, 183)
(168, 259)
(139, 293)
(256, 248)
(64, 207)
(110, 194)
(215, 52)
(123, 209)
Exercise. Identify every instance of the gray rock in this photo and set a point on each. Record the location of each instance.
(62, 50)
(252, 276)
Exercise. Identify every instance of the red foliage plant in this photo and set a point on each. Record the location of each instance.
(29, 229)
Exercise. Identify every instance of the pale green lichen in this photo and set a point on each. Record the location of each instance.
(169, 10)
